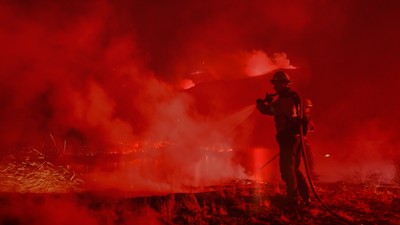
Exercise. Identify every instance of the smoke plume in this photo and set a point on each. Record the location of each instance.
(101, 75)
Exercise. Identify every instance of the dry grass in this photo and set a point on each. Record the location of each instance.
(33, 173)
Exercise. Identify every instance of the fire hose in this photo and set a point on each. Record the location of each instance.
(300, 117)
(269, 161)
(308, 170)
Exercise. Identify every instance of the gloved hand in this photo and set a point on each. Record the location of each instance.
(268, 98)
(261, 106)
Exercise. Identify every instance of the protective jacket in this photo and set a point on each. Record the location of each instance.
(285, 110)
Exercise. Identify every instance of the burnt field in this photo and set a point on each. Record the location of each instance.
(35, 191)
(40, 189)
(237, 202)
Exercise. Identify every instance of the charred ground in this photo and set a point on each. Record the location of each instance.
(236, 202)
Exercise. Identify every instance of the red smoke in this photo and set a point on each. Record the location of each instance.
(100, 75)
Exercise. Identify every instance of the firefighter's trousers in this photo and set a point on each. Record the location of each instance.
(289, 162)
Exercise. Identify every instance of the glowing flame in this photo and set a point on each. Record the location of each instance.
(186, 84)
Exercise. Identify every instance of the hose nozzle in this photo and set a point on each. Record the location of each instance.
(269, 97)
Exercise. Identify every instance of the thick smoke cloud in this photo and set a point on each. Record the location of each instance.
(100, 74)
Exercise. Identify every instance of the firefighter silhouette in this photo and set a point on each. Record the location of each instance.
(285, 110)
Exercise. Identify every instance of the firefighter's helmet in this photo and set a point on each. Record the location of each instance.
(281, 77)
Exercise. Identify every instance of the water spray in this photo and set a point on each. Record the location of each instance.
(229, 123)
